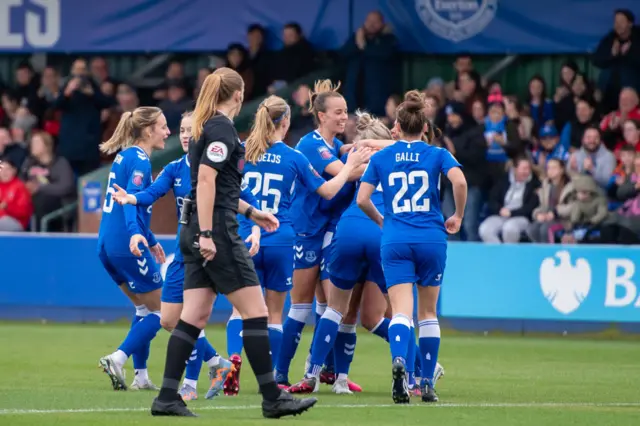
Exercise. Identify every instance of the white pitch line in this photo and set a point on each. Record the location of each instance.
(338, 406)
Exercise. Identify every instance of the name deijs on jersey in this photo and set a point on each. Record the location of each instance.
(217, 152)
(268, 157)
(456, 20)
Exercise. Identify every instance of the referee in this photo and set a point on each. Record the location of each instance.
(216, 259)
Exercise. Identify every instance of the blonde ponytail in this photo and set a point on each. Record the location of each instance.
(122, 137)
(218, 87)
(130, 128)
(268, 118)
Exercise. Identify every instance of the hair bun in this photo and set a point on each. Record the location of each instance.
(414, 96)
(413, 107)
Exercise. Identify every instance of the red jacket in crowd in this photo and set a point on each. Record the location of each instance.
(15, 201)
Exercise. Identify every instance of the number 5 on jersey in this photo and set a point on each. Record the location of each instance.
(108, 198)
(418, 202)
(264, 189)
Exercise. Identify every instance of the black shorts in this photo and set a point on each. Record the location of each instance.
(231, 269)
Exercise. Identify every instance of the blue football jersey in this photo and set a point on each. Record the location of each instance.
(273, 180)
(378, 200)
(307, 216)
(336, 206)
(176, 175)
(409, 174)
(131, 170)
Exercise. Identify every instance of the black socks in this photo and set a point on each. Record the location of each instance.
(181, 343)
(255, 338)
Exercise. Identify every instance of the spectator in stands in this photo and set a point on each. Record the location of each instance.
(175, 71)
(15, 201)
(238, 60)
(26, 91)
(593, 158)
(511, 204)
(47, 93)
(470, 148)
(302, 120)
(9, 106)
(564, 109)
(502, 138)
(624, 223)
(621, 174)
(478, 111)
(471, 89)
(176, 103)
(550, 148)
(436, 88)
(371, 56)
(628, 109)
(260, 59)
(555, 198)
(618, 56)
(23, 123)
(389, 118)
(630, 135)
(587, 212)
(296, 58)
(203, 73)
(8, 148)
(48, 177)
(100, 70)
(571, 137)
(127, 101)
(540, 107)
(462, 64)
(80, 128)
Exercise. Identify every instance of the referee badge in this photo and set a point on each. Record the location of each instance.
(217, 152)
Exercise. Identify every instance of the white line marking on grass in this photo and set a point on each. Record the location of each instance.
(18, 411)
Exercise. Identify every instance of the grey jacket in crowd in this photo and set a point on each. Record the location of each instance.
(604, 163)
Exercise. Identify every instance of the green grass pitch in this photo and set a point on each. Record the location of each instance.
(49, 376)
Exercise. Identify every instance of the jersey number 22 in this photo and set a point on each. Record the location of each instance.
(418, 202)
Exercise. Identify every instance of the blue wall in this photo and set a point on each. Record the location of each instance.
(510, 287)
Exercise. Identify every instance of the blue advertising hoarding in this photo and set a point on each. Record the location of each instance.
(542, 282)
(430, 26)
(61, 273)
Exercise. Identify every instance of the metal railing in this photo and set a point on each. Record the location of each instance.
(62, 212)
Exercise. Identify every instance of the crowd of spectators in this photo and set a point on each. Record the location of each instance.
(539, 168)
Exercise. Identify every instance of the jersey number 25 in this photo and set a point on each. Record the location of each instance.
(418, 202)
(263, 187)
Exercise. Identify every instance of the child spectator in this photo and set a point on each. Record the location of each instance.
(550, 148)
(587, 212)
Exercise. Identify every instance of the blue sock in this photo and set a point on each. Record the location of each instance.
(275, 341)
(234, 336)
(330, 360)
(418, 362)
(345, 347)
(411, 356)
(195, 360)
(291, 334)
(399, 336)
(208, 351)
(382, 329)
(141, 356)
(429, 347)
(324, 339)
(141, 334)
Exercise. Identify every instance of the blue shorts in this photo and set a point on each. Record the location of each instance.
(172, 289)
(420, 263)
(274, 266)
(355, 255)
(141, 274)
(310, 250)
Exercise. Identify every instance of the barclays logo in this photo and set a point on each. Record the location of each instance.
(456, 20)
(565, 285)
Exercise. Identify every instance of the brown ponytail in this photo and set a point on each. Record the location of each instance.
(130, 128)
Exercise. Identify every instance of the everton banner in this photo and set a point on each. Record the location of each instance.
(429, 26)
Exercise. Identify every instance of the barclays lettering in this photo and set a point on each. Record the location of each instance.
(31, 24)
(620, 273)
